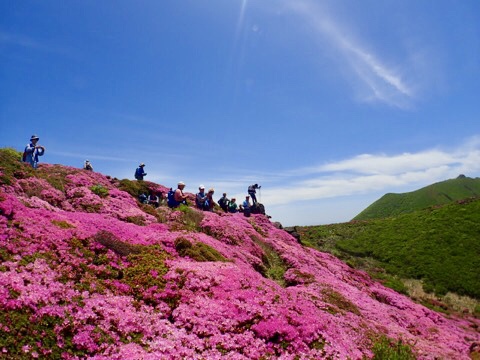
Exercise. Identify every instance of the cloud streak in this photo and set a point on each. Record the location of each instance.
(378, 81)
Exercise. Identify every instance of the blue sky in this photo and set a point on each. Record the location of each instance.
(326, 104)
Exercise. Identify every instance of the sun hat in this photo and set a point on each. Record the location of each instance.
(34, 137)
(142, 164)
(201, 187)
(181, 183)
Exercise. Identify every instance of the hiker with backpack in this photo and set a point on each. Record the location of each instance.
(87, 166)
(140, 172)
(177, 197)
(33, 151)
(223, 202)
(252, 192)
(201, 198)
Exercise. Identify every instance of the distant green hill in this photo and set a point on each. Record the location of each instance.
(440, 193)
(439, 245)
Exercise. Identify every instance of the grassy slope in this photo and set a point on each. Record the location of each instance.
(439, 245)
(441, 193)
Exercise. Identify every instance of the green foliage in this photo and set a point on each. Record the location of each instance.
(389, 280)
(119, 247)
(56, 175)
(476, 311)
(438, 245)
(146, 271)
(191, 218)
(99, 190)
(22, 329)
(134, 188)
(159, 213)
(441, 193)
(338, 303)
(273, 265)
(12, 167)
(137, 220)
(62, 224)
(389, 349)
(198, 251)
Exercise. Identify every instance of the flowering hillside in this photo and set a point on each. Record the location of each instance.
(88, 272)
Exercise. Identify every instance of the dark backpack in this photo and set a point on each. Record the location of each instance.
(171, 198)
(138, 174)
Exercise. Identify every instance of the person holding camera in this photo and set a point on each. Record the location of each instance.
(33, 151)
(252, 191)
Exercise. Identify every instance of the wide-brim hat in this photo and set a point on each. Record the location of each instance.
(34, 137)
(142, 164)
(181, 183)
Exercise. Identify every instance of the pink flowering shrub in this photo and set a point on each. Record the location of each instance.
(80, 279)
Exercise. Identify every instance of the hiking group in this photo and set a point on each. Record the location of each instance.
(203, 200)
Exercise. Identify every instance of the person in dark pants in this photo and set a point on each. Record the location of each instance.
(140, 172)
(252, 192)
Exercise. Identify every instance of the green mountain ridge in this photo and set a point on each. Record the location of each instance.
(438, 247)
(441, 193)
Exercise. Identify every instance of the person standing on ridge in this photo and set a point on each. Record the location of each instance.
(252, 191)
(33, 151)
(87, 166)
(140, 172)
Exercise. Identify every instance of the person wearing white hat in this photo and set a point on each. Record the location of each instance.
(201, 198)
(140, 172)
(33, 151)
(179, 196)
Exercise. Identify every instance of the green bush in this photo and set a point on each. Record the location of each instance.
(338, 303)
(99, 190)
(12, 167)
(134, 188)
(273, 265)
(191, 218)
(389, 349)
(198, 251)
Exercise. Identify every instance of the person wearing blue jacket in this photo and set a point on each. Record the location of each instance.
(33, 151)
(140, 172)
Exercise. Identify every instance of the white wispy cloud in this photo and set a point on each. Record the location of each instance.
(370, 173)
(378, 81)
